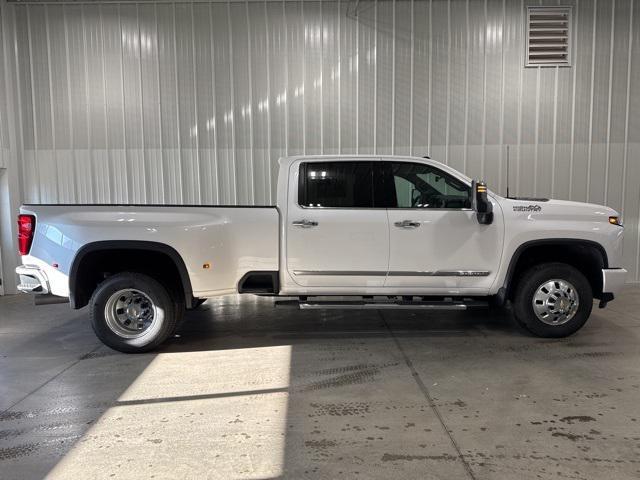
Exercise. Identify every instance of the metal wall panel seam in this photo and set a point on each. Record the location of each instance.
(448, 120)
(574, 38)
(521, 28)
(339, 76)
(198, 184)
(611, 50)
(268, 159)
(536, 134)
(484, 98)
(161, 180)
(252, 188)
(53, 121)
(74, 178)
(13, 105)
(14, 101)
(375, 78)
(233, 119)
(626, 122)
(304, 81)
(393, 80)
(36, 169)
(322, 79)
(466, 90)
(53, 130)
(357, 63)
(593, 70)
(555, 127)
(92, 182)
(638, 219)
(106, 118)
(430, 75)
(124, 123)
(175, 80)
(144, 146)
(502, 81)
(8, 70)
(411, 109)
(286, 80)
(215, 108)
(555, 132)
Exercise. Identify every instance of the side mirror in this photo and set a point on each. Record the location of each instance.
(481, 203)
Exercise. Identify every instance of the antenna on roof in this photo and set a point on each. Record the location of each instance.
(427, 157)
(507, 171)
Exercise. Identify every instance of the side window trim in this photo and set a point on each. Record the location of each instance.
(302, 179)
(389, 180)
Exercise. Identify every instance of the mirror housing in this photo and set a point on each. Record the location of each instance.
(480, 203)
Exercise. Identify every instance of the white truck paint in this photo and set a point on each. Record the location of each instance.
(317, 251)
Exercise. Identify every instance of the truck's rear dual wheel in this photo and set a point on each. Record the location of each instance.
(132, 312)
(553, 300)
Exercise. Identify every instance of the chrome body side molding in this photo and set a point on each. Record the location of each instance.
(363, 273)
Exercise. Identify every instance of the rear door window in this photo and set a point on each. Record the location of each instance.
(336, 185)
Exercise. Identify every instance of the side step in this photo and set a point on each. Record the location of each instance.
(389, 304)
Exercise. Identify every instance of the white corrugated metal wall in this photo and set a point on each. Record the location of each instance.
(194, 102)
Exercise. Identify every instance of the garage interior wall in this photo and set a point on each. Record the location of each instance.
(193, 103)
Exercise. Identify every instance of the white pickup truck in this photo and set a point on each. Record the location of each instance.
(385, 232)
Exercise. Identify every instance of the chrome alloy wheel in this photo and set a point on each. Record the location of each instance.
(555, 302)
(129, 313)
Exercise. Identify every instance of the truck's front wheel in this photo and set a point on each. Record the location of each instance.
(553, 300)
(132, 312)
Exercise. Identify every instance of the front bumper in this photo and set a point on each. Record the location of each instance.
(613, 280)
(32, 280)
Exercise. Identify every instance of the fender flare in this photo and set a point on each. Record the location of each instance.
(128, 245)
(505, 290)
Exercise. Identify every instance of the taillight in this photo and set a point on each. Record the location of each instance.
(26, 228)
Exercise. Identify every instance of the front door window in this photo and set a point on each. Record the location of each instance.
(423, 186)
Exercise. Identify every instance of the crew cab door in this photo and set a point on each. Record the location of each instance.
(335, 237)
(436, 242)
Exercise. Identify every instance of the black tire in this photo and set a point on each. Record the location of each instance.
(166, 314)
(527, 287)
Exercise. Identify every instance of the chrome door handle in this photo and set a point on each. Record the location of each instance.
(304, 223)
(407, 224)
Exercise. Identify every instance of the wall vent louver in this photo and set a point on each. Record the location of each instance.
(548, 36)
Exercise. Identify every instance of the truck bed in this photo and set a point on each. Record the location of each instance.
(218, 244)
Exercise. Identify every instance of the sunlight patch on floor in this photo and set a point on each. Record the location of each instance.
(212, 414)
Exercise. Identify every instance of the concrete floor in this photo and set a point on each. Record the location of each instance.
(246, 391)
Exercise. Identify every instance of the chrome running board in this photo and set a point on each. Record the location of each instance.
(447, 304)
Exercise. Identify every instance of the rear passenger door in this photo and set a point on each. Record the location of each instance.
(335, 235)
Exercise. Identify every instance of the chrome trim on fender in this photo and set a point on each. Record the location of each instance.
(364, 273)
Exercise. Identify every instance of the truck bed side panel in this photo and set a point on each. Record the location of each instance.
(232, 240)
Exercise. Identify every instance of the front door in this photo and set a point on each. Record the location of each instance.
(335, 236)
(436, 242)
